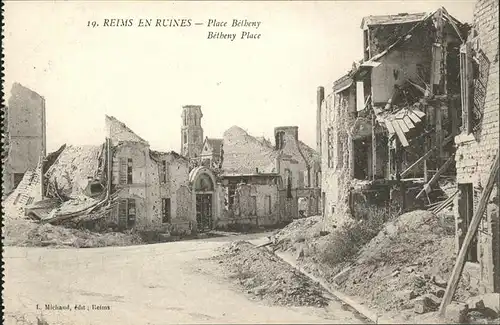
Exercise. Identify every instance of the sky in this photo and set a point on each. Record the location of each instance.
(144, 75)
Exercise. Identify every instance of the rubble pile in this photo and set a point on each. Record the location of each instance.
(406, 266)
(296, 232)
(265, 276)
(22, 232)
(72, 169)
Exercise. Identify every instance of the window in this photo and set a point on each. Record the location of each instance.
(301, 180)
(474, 73)
(288, 174)
(185, 137)
(165, 210)
(268, 206)
(360, 96)
(340, 151)
(254, 205)
(126, 213)
(123, 171)
(185, 119)
(330, 147)
(18, 177)
(163, 172)
(129, 171)
(231, 194)
(366, 45)
(30, 200)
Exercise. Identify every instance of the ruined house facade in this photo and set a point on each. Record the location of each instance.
(388, 124)
(265, 184)
(25, 135)
(478, 142)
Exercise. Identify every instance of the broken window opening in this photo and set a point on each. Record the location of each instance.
(474, 73)
(330, 147)
(288, 184)
(164, 171)
(366, 45)
(466, 212)
(129, 171)
(126, 213)
(231, 195)
(165, 210)
(254, 205)
(18, 177)
(268, 203)
(363, 158)
(340, 152)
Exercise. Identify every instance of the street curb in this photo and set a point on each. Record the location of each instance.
(366, 312)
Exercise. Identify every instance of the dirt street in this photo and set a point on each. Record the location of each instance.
(152, 284)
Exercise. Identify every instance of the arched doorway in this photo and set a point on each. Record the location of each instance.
(203, 184)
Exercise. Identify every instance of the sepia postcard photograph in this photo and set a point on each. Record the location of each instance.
(250, 162)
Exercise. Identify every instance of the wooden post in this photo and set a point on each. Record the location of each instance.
(426, 143)
(427, 186)
(374, 149)
(439, 134)
(474, 225)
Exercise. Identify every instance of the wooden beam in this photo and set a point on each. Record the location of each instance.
(424, 157)
(439, 134)
(471, 231)
(374, 149)
(427, 187)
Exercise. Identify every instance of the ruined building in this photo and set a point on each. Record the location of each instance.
(478, 143)
(265, 184)
(119, 185)
(388, 125)
(25, 135)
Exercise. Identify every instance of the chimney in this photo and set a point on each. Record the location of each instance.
(320, 98)
(281, 131)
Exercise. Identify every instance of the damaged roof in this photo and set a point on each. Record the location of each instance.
(400, 18)
(245, 154)
(215, 144)
(73, 167)
(309, 153)
(119, 131)
(407, 36)
(157, 155)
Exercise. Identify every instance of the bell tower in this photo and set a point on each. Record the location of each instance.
(191, 131)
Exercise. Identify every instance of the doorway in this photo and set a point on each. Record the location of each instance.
(466, 212)
(204, 217)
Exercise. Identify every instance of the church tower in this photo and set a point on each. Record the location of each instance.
(191, 131)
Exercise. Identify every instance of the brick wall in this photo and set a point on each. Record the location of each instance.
(475, 152)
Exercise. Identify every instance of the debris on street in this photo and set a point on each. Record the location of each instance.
(265, 276)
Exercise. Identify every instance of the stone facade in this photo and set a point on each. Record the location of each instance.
(335, 159)
(279, 176)
(478, 144)
(154, 184)
(25, 135)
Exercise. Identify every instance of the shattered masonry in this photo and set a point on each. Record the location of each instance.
(424, 96)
